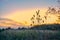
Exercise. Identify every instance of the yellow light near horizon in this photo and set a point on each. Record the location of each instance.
(23, 16)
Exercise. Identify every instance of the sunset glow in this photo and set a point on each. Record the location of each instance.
(23, 16)
(22, 11)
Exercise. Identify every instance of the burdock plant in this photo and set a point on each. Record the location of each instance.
(36, 18)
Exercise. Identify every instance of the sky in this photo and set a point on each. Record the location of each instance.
(22, 10)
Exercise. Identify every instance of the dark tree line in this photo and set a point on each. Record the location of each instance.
(9, 28)
(37, 27)
(47, 27)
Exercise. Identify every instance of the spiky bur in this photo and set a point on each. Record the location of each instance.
(36, 18)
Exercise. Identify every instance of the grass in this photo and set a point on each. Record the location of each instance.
(30, 35)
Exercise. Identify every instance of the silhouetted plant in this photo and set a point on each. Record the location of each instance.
(19, 28)
(23, 28)
(49, 10)
(8, 28)
(37, 18)
(59, 11)
(58, 15)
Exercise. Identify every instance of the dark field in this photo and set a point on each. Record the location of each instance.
(30, 35)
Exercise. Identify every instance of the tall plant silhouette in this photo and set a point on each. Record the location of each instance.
(36, 18)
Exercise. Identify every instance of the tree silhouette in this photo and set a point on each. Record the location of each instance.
(19, 28)
(58, 15)
(59, 11)
(8, 28)
(49, 10)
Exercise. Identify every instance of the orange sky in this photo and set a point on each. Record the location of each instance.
(21, 11)
(23, 16)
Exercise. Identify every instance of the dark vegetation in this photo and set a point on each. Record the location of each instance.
(38, 32)
(47, 27)
(37, 27)
(29, 35)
